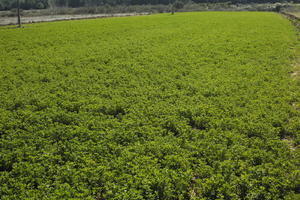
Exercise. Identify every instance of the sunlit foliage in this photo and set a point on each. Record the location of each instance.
(185, 106)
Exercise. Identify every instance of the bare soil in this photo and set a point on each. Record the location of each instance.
(296, 14)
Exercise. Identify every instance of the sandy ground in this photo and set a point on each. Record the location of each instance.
(50, 18)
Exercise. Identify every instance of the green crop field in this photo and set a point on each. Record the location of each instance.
(196, 106)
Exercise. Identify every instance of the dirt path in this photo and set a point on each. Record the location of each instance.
(296, 14)
(50, 18)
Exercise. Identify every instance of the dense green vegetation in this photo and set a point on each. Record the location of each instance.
(185, 106)
(40, 4)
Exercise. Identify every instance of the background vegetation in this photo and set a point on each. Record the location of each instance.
(42, 4)
(185, 106)
(158, 8)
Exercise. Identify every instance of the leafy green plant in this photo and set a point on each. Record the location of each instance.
(190, 106)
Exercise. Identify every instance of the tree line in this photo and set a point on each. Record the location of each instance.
(42, 4)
